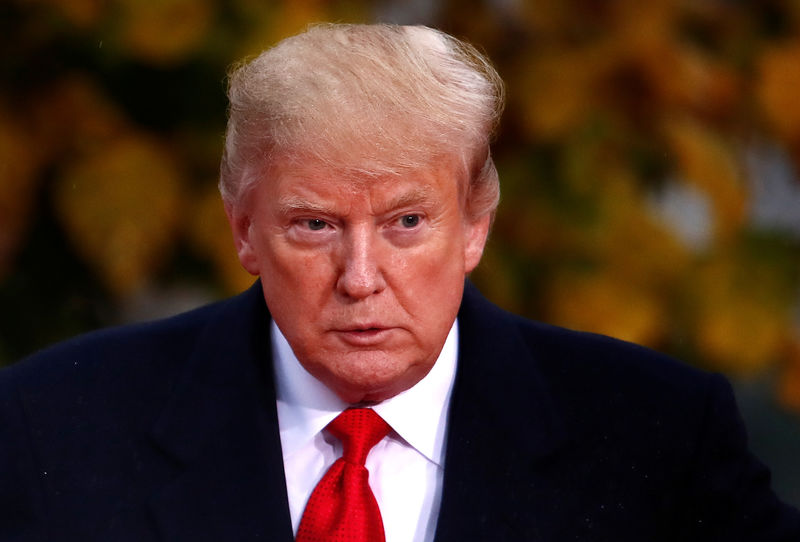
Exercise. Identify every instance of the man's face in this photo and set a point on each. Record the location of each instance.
(364, 277)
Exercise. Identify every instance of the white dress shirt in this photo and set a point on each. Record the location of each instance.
(405, 469)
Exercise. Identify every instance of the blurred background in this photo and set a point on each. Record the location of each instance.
(648, 158)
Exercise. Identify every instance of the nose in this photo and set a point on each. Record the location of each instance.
(360, 274)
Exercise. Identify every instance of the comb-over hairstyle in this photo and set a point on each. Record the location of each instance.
(369, 100)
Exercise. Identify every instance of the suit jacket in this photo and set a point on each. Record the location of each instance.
(168, 431)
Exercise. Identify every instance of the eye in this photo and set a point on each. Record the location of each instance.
(315, 224)
(409, 221)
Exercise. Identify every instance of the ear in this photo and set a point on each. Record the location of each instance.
(240, 223)
(475, 234)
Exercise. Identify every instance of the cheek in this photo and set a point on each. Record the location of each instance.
(291, 265)
(294, 281)
(430, 276)
(445, 256)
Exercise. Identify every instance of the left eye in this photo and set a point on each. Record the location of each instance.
(409, 221)
(316, 224)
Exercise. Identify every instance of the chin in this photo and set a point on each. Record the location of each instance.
(376, 388)
(371, 392)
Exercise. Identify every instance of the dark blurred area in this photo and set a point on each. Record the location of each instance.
(648, 159)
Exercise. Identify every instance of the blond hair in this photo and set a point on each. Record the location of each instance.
(370, 100)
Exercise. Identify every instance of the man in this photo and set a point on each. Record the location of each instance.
(359, 186)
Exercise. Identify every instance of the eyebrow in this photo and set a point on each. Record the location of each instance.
(420, 195)
(296, 204)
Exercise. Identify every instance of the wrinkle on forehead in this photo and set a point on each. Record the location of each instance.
(422, 195)
(306, 182)
(360, 171)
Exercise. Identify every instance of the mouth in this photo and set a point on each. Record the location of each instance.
(363, 335)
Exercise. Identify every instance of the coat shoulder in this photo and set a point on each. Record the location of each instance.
(111, 354)
(570, 356)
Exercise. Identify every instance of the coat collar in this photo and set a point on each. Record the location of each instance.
(220, 429)
(504, 425)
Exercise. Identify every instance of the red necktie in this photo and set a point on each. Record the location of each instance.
(342, 507)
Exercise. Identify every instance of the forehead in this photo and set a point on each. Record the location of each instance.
(298, 181)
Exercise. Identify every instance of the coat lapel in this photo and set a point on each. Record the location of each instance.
(503, 427)
(221, 430)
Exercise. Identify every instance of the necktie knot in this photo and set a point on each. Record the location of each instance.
(358, 429)
(342, 507)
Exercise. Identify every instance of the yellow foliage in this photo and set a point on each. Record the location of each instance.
(271, 22)
(683, 77)
(18, 182)
(778, 83)
(560, 85)
(546, 17)
(608, 304)
(589, 80)
(677, 74)
(645, 26)
(740, 323)
(700, 83)
(634, 258)
(121, 207)
(630, 240)
(81, 13)
(554, 90)
(711, 166)
(73, 114)
(296, 15)
(740, 336)
(164, 31)
(211, 236)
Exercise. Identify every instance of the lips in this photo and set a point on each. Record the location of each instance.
(364, 334)
(363, 327)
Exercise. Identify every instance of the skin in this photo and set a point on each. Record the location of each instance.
(364, 277)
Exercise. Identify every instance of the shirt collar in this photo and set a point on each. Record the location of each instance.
(418, 415)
